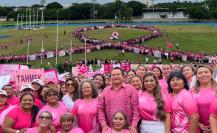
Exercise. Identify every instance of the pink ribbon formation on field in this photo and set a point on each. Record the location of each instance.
(130, 45)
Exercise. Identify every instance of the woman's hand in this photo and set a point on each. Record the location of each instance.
(132, 129)
(104, 129)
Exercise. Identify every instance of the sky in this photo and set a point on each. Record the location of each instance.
(63, 2)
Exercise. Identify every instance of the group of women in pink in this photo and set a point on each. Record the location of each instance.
(181, 99)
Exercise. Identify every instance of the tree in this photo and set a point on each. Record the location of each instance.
(213, 13)
(36, 6)
(197, 12)
(137, 7)
(173, 9)
(212, 4)
(54, 5)
(107, 11)
(122, 12)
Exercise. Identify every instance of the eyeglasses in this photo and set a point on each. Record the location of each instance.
(45, 117)
(52, 94)
(72, 84)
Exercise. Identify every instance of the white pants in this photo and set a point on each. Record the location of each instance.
(152, 127)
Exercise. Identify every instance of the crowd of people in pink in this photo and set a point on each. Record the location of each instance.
(160, 99)
(131, 45)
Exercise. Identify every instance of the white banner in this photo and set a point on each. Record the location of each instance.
(50, 54)
(32, 57)
(4, 80)
(184, 57)
(88, 50)
(157, 54)
(62, 76)
(136, 50)
(98, 47)
(62, 53)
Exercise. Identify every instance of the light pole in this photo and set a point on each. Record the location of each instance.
(94, 9)
(153, 8)
(26, 16)
(71, 52)
(42, 50)
(27, 55)
(18, 21)
(57, 42)
(85, 51)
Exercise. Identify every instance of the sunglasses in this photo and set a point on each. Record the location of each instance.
(45, 117)
(72, 84)
(52, 94)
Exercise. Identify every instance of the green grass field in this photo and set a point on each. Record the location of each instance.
(124, 33)
(195, 38)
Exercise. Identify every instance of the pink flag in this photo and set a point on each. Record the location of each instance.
(169, 44)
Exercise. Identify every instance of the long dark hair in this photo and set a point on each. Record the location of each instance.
(34, 109)
(161, 75)
(40, 96)
(103, 79)
(161, 114)
(180, 75)
(76, 93)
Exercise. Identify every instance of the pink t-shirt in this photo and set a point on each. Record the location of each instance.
(56, 113)
(21, 119)
(182, 106)
(148, 106)
(38, 103)
(74, 130)
(5, 107)
(1, 110)
(13, 100)
(164, 86)
(213, 107)
(204, 98)
(85, 110)
(32, 130)
(123, 131)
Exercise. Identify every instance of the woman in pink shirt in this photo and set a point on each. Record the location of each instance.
(204, 92)
(158, 72)
(153, 107)
(45, 124)
(189, 71)
(27, 88)
(3, 101)
(213, 115)
(184, 112)
(37, 85)
(22, 116)
(166, 69)
(129, 75)
(66, 121)
(140, 71)
(99, 81)
(3, 105)
(119, 123)
(136, 82)
(53, 106)
(85, 107)
(45, 88)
